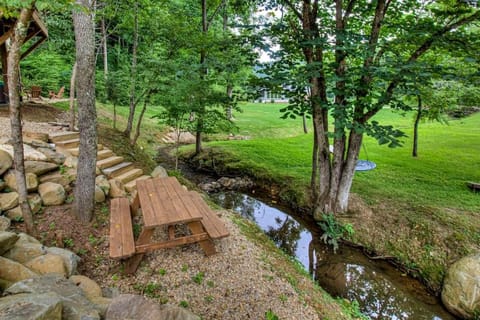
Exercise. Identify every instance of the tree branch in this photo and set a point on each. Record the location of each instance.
(348, 11)
(209, 21)
(292, 7)
(424, 47)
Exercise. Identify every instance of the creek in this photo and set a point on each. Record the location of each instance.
(381, 290)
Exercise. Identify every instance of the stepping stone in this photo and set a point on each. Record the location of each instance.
(68, 144)
(62, 136)
(132, 185)
(129, 175)
(101, 154)
(116, 170)
(104, 154)
(109, 162)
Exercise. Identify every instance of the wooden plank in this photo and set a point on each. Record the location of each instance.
(213, 225)
(132, 263)
(207, 245)
(172, 243)
(5, 36)
(121, 232)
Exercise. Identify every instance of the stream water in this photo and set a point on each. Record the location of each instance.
(382, 291)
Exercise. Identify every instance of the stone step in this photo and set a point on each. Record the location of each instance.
(132, 185)
(104, 154)
(101, 154)
(109, 162)
(129, 175)
(62, 136)
(118, 169)
(68, 144)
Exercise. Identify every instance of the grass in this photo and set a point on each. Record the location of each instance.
(448, 157)
(428, 217)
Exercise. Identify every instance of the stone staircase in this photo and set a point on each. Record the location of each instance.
(110, 165)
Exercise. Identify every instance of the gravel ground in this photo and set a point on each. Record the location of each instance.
(239, 282)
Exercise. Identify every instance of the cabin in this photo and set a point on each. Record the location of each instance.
(37, 33)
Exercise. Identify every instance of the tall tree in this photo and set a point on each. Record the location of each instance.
(83, 20)
(356, 53)
(16, 40)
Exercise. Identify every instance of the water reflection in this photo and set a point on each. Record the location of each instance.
(381, 290)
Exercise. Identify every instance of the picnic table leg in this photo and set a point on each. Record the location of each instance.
(207, 245)
(132, 263)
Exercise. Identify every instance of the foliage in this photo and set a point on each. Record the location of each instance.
(333, 231)
(270, 315)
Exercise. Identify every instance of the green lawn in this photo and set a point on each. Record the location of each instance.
(449, 155)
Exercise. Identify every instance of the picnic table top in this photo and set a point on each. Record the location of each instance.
(163, 202)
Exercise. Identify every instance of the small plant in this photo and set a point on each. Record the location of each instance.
(209, 299)
(82, 251)
(52, 226)
(270, 315)
(18, 219)
(62, 169)
(69, 199)
(183, 304)
(210, 284)
(115, 277)
(162, 272)
(93, 240)
(333, 231)
(151, 290)
(198, 278)
(68, 242)
(137, 228)
(283, 297)
(185, 268)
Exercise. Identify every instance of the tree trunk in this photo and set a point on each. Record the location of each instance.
(133, 84)
(229, 96)
(203, 75)
(139, 123)
(415, 127)
(13, 60)
(72, 97)
(105, 51)
(304, 121)
(114, 116)
(84, 204)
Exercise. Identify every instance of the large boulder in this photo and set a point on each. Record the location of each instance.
(8, 200)
(71, 162)
(30, 178)
(39, 167)
(159, 172)
(70, 259)
(75, 305)
(48, 263)
(4, 223)
(461, 287)
(35, 202)
(117, 189)
(35, 136)
(102, 182)
(6, 161)
(52, 156)
(13, 271)
(130, 306)
(14, 214)
(53, 194)
(57, 177)
(99, 195)
(7, 241)
(90, 288)
(26, 238)
(25, 251)
(43, 306)
(29, 153)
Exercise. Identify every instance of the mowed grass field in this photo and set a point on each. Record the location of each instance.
(449, 156)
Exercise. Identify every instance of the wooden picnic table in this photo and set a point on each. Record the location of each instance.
(163, 203)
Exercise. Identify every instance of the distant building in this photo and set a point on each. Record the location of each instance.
(267, 96)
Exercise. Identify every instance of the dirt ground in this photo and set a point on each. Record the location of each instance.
(35, 112)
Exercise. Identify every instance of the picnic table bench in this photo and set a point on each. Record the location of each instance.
(163, 203)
